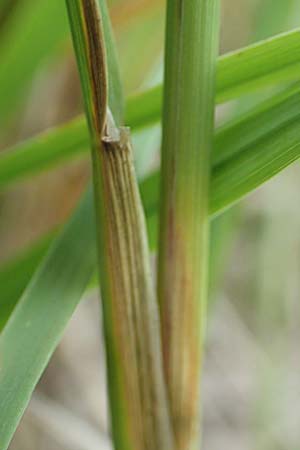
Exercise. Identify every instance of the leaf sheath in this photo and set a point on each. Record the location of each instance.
(130, 308)
(139, 412)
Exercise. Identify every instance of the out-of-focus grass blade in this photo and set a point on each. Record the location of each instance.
(44, 151)
(16, 274)
(58, 144)
(261, 121)
(269, 62)
(246, 171)
(37, 323)
(30, 35)
(275, 17)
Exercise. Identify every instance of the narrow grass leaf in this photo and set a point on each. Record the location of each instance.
(16, 274)
(262, 64)
(44, 151)
(243, 173)
(37, 323)
(261, 121)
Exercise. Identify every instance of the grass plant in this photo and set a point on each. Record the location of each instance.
(153, 335)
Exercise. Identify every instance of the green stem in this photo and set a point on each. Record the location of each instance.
(191, 57)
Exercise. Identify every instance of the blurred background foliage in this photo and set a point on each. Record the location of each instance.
(252, 382)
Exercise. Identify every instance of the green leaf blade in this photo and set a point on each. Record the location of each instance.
(262, 64)
(44, 151)
(242, 174)
(37, 323)
(16, 274)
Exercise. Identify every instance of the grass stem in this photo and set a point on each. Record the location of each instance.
(189, 89)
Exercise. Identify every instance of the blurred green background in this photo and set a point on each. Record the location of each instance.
(252, 370)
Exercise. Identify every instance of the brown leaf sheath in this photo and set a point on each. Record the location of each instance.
(140, 417)
(129, 285)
